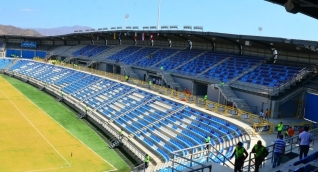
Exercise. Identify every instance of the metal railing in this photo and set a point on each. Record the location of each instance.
(196, 157)
(291, 146)
(271, 90)
(212, 106)
(139, 168)
(124, 140)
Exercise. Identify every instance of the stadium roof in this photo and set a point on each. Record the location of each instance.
(183, 35)
(211, 38)
(307, 7)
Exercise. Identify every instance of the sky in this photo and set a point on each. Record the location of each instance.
(242, 17)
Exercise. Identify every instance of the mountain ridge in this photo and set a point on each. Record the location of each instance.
(12, 30)
(60, 30)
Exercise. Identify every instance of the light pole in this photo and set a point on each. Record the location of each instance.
(158, 22)
(126, 16)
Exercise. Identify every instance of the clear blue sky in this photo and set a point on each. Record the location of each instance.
(234, 16)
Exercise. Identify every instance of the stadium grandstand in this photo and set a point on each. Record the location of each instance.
(161, 93)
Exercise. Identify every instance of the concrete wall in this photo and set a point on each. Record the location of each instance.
(289, 108)
(213, 94)
(140, 73)
(185, 83)
(102, 66)
(256, 102)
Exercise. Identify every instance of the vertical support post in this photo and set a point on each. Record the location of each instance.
(173, 162)
(219, 96)
(249, 163)
(158, 22)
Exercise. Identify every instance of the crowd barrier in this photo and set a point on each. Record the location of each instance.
(260, 126)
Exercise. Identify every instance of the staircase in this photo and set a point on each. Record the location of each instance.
(109, 52)
(313, 82)
(90, 63)
(146, 57)
(129, 71)
(245, 72)
(229, 95)
(59, 99)
(170, 81)
(59, 50)
(186, 62)
(70, 51)
(152, 66)
(213, 66)
(13, 63)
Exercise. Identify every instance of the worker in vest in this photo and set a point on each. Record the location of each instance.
(45, 84)
(127, 78)
(207, 142)
(147, 158)
(279, 129)
(86, 109)
(121, 134)
(205, 98)
(239, 152)
(61, 93)
(260, 153)
(150, 84)
(286, 134)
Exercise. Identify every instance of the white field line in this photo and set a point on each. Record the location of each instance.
(47, 169)
(65, 128)
(36, 129)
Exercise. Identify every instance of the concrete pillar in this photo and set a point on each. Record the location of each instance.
(194, 88)
(274, 109)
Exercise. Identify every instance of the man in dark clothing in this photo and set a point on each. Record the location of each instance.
(260, 153)
(147, 159)
(207, 142)
(239, 152)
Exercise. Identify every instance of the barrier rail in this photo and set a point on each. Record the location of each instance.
(195, 157)
(260, 125)
(291, 145)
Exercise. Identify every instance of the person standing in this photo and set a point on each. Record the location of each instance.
(261, 116)
(190, 44)
(267, 114)
(274, 55)
(121, 134)
(260, 154)
(304, 138)
(239, 152)
(150, 84)
(169, 43)
(86, 110)
(279, 129)
(205, 98)
(290, 132)
(207, 142)
(279, 150)
(147, 159)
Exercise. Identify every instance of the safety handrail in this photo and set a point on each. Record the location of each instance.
(292, 143)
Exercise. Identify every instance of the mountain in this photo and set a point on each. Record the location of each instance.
(60, 30)
(12, 30)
